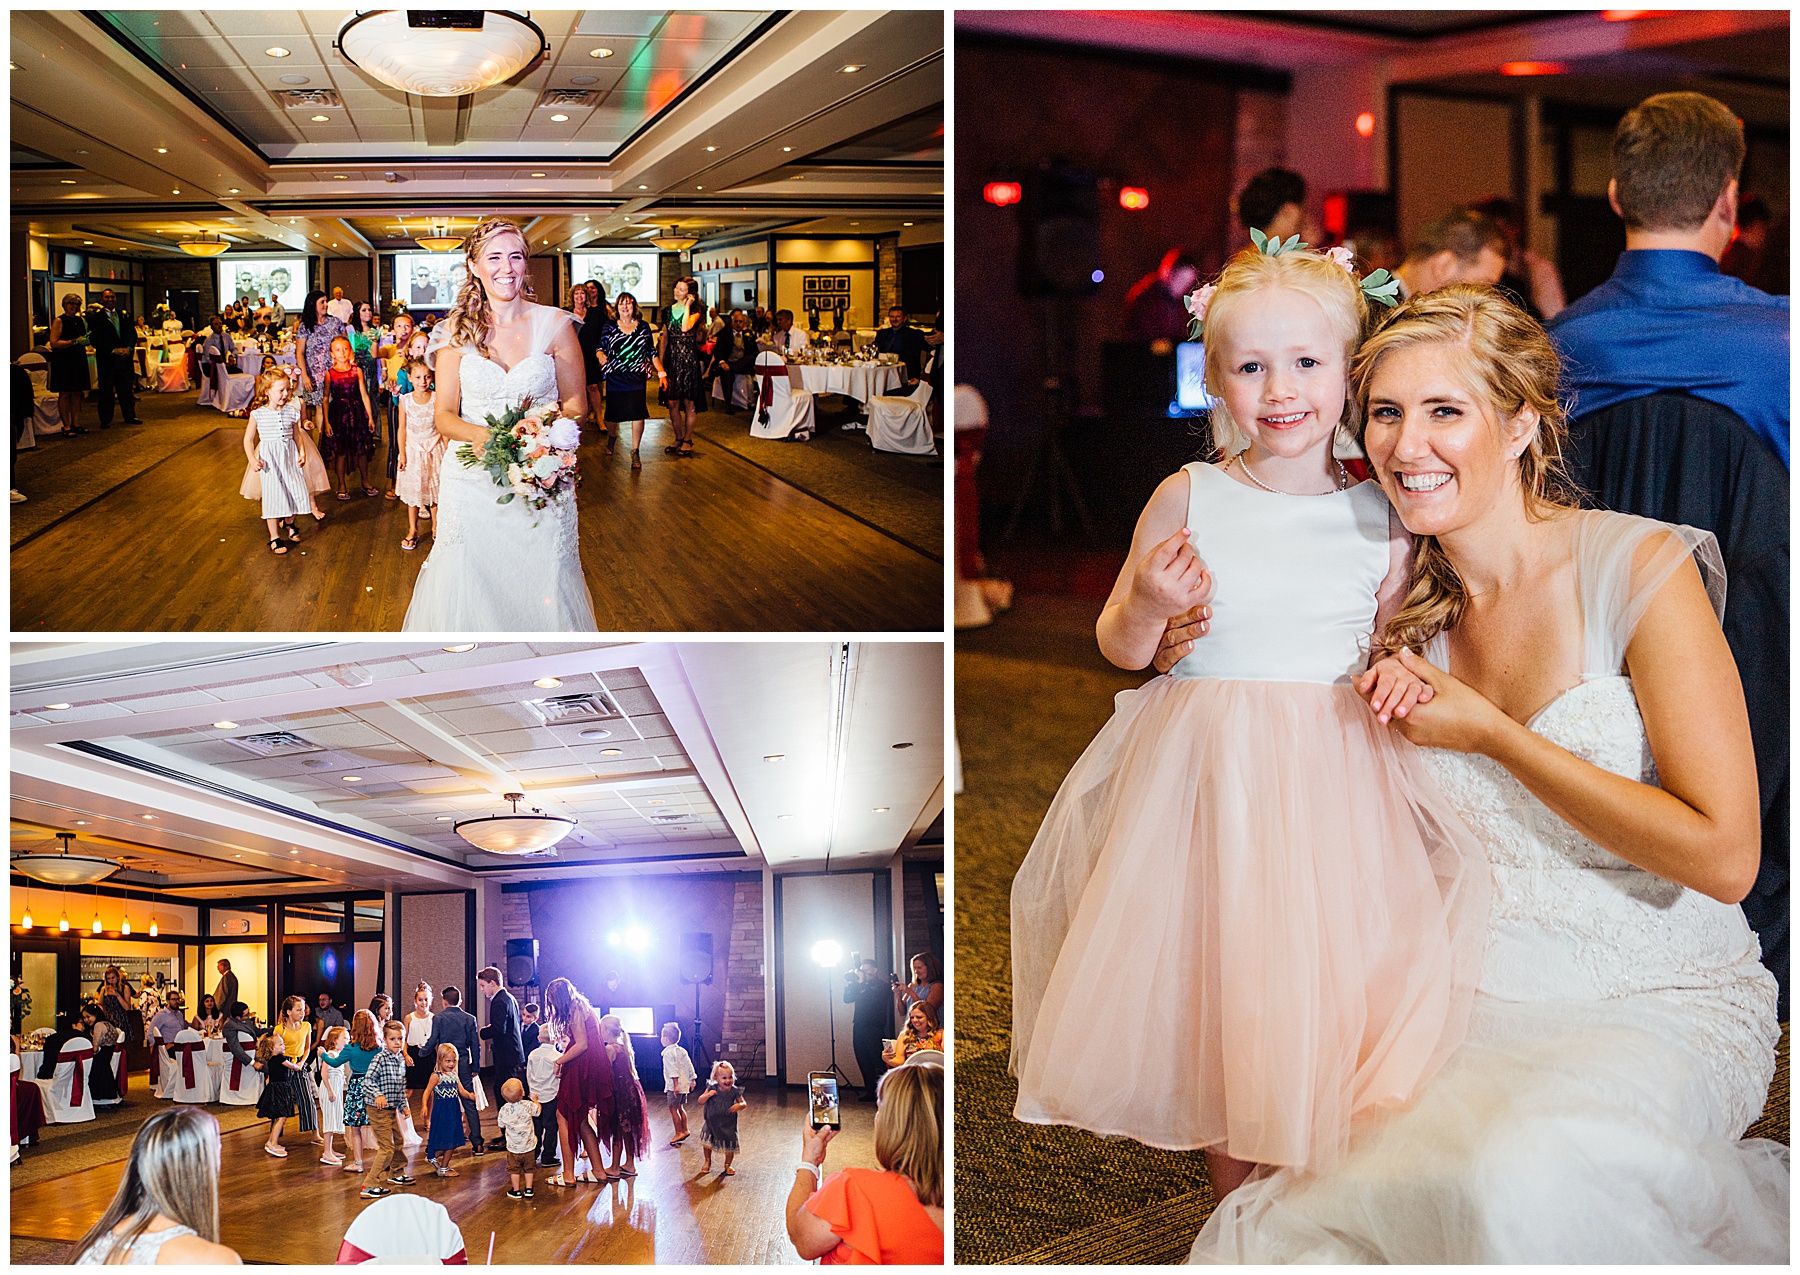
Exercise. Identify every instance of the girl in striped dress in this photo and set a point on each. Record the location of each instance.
(273, 443)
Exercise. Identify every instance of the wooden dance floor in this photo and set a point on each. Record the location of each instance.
(712, 543)
(295, 1211)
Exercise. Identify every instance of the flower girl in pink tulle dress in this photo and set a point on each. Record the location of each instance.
(421, 449)
(1249, 917)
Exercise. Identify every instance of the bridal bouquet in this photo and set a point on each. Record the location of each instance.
(528, 453)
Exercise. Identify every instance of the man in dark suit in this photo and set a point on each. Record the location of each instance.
(504, 1032)
(114, 335)
(906, 341)
(734, 353)
(454, 1025)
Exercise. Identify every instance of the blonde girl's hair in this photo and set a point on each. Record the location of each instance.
(1301, 270)
(470, 317)
(172, 1169)
(909, 1128)
(1511, 363)
(265, 1047)
(611, 1028)
(445, 1054)
(722, 1065)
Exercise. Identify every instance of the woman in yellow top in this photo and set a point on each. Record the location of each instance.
(921, 1032)
(296, 1035)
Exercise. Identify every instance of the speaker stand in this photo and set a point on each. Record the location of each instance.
(700, 1051)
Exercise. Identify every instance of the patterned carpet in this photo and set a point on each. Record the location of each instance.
(1031, 692)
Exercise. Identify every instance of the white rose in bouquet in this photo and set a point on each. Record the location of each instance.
(545, 468)
(565, 434)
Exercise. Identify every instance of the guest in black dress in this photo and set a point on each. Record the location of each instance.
(591, 323)
(626, 355)
(69, 363)
(686, 365)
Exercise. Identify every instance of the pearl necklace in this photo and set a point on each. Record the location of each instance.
(1343, 480)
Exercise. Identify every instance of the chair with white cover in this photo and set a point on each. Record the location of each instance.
(403, 1229)
(926, 1056)
(783, 408)
(165, 1067)
(250, 361)
(209, 387)
(740, 390)
(240, 1084)
(192, 1079)
(45, 419)
(843, 341)
(173, 374)
(899, 423)
(68, 1098)
(232, 391)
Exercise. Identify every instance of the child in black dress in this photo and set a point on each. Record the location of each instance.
(280, 1090)
(721, 1102)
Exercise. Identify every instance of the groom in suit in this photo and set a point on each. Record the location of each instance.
(454, 1025)
(114, 335)
(504, 1031)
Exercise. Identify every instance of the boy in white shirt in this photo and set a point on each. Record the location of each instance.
(678, 1080)
(543, 1083)
(518, 1121)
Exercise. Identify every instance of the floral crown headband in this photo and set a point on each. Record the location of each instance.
(1378, 286)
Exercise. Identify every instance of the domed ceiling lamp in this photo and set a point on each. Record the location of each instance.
(516, 833)
(675, 241)
(203, 245)
(439, 238)
(65, 868)
(441, 53)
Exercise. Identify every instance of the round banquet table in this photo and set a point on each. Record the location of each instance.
(860, 381)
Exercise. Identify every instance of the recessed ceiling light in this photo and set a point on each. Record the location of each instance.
(881, 810)
(321, 119)
(58, 707)
(237, 856)
(278, 52)
(150, 817)
(295, 79)
(711, 149)
(296, 850)
(559, 119)
(599, 53)
(643, 188)
(177, 192)
(162, 150)
(906, 223)
(699, 188)
(81, 822)
(458, 650)
(611, 752)
(353, 779)
(784, 816)
(584, 79)
(596, 732)
(225, 725)
(786, 149)
(339, 177)
(537, 174)
(548, 683)
(654, 801)
(773, 756)
(68, 181)
(87, 243)
(850, 68)
(232, 190)
(445, 818)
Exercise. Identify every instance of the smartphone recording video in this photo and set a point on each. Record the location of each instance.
(823, 1087)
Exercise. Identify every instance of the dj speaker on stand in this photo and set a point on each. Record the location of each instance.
(1059, 258)
(696, 967)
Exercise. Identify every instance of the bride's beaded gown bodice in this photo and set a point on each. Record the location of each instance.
(493, 566)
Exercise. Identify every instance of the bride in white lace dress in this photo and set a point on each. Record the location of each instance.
(500, 567)
(1594, 737)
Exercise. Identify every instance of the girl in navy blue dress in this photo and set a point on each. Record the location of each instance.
(447, 1093)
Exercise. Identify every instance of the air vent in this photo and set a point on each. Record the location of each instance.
(671, 817)
(569, 97)
(587, 706)
(307, 99)
(276, 743)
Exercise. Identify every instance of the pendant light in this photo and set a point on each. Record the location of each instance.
(63, 925)
(96, 914)
(25, 921)
(516, 833)
(153, 925)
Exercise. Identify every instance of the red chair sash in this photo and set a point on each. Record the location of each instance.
(350, 1255)
(81, 1055)
(237, 1073)
(766, 373)
(187, 1059)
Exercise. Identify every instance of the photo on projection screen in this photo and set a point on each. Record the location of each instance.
(247, 278)
(633, 272)
(427, 280)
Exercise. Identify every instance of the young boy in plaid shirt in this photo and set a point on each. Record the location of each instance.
(384, 1095)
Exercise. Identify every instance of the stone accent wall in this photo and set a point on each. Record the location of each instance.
(515, 915)
(887, 277)
(745, 1043)
(923, 928)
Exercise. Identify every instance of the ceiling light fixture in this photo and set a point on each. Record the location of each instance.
(353, 779)
(674, 240)
(125, 926)
(515, 833)
(850, 68)
(162, 150)
(225, 725)
(278, 52)
(440, 239)
(559, 119)
(66, 181)
(611, 752)
(600, 53)
(204, 245)
(441, 54)
(153, 925)
(321, 119)
(548, 683)
(458, 650)
(65, 868)
(57, 707)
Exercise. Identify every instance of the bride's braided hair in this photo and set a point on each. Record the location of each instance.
(1511, 363)
(470, 318)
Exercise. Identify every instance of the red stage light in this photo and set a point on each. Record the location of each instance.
(1000, 194)
(1533, 68)
(1337, 215)
(1365, 125)
(1133, 198)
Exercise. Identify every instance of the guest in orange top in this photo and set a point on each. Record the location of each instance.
(866, 1217)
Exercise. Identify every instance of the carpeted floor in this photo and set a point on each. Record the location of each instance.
(1031, 692)
(69, 1148)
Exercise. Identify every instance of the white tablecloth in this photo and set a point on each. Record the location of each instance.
(860, 381)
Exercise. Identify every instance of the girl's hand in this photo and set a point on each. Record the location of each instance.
(1179, 637)
(813, 1143)
(1457, 717)
(1392, 689)
(257, 465)
(1171, 578)
(556, 1067)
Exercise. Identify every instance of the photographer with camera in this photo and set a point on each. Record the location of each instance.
(868, 991)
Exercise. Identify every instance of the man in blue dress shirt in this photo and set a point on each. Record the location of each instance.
(1668, 319)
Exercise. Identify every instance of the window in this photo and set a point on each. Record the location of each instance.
(312, 918)
(369, 914)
